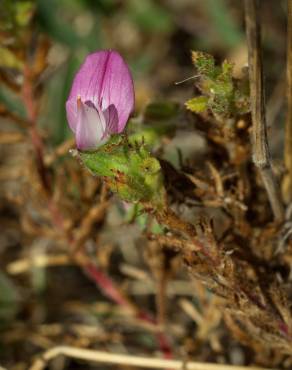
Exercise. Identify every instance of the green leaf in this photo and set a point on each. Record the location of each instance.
(198, 104)
(204, 63)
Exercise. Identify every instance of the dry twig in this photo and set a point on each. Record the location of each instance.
(261, 155)
(114, 358)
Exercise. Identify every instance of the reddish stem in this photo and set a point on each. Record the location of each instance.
(107, 286)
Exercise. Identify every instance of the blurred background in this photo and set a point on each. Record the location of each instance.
(43, 303)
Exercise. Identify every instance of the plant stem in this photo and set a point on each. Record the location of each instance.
(288, 129)
(261, 155)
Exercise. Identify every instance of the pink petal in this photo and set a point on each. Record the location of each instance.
(104, 79)
(118, 89)
(112, 120)
(91, 127)
(71, 111)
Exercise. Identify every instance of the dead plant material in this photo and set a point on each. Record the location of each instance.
(288, 130)
(261, 155)
(127, 360)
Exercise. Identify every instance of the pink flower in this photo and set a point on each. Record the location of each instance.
(101, 99)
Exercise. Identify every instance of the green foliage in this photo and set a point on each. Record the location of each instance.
(221, 93)
(129, 170)
(205, 64)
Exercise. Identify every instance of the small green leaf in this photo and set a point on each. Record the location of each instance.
(204, 63)
(198, 104)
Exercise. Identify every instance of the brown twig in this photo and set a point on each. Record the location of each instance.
(261, 155)
(288, 128)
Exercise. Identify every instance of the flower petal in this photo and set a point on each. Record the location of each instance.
(104, 79)
(87, 84)
(112, 120)
(118, 89)
(71, 111)
(91, 127)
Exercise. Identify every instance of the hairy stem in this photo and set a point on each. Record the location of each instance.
(261, 155)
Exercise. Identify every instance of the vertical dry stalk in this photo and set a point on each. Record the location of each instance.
(261, 156)
(288, 130)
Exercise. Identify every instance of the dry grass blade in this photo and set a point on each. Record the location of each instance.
(261, 156)
(126, 360)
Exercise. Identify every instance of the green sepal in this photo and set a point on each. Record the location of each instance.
(129, 170)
